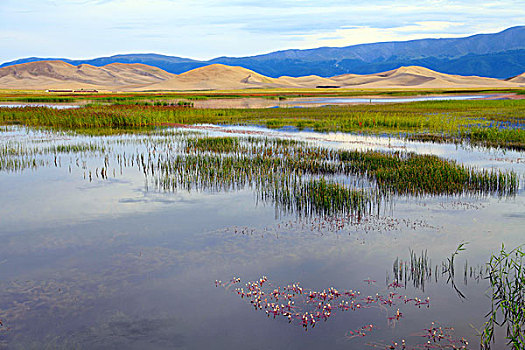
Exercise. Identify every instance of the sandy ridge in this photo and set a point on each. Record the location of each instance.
(45, 75)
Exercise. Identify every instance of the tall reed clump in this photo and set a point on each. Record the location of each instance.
(275, 180)
(302, 178)
(410, 173)
(295, 176)
(506, 275)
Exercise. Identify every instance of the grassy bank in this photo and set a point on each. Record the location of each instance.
(497, 123)
(152, 96)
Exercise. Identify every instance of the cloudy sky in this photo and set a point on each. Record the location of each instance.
(205, 29)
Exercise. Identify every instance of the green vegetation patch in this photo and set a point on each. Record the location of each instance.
(494, 123)
(507, 284)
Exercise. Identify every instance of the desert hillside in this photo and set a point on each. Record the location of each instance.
(221, 77)
(418, 77)
(44, 75)
(215, 77)
(60, 75)
(519, 79)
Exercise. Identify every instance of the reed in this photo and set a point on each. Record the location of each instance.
(215, 144)
(391, 173)
(476, 122)
(274, 180)
(294, 176)
(507, 284)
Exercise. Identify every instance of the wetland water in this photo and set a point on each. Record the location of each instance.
(358, 100)
(49, 105)
(267, 103)
(99, 250)
(322, 101)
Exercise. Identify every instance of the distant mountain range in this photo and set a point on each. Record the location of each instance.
(500, 55)
(58, 75)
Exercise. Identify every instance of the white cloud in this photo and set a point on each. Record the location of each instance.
(361, 35)
(210, 28)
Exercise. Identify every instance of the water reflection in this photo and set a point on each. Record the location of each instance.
(48, 105)
(107, 264)
(354, 100)
(482, 157)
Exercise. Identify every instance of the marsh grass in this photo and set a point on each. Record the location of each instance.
(303, 179)
(507, 285)
(17, 156)
(476, 122)
(505, 273)
(231, 159)
(215, 144)
(419, 270)
(294, 176)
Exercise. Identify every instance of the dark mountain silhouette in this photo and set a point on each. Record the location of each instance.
(499, 55)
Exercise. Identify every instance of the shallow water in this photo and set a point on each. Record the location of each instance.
(266, 103)
(353, 100)
(48, 105)
(115, 263)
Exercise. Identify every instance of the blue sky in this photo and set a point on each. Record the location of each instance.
(204, 29)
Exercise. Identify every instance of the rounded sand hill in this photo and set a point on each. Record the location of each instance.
(139, 77)
(519, 79)
(60, 75)
(418, 77)
(215, 77)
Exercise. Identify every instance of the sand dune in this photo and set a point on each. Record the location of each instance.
(519, 79)
(222, 77)
(215, 77)
(138, 77)
(310, 81)
(418, 77)
(60, 75)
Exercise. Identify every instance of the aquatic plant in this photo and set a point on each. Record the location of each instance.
(213, 144)
(449, 268)
(18, 156)
(307, 307)
(476, 122)
(419, 271)
(300, 179)
(294, 176)
(409, 173)
(506, 274)
(434, 337)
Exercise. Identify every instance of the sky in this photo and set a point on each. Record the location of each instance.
(204, 29)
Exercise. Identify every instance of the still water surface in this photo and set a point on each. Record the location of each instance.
(115, 263)
(359, 100)
(48, 105)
